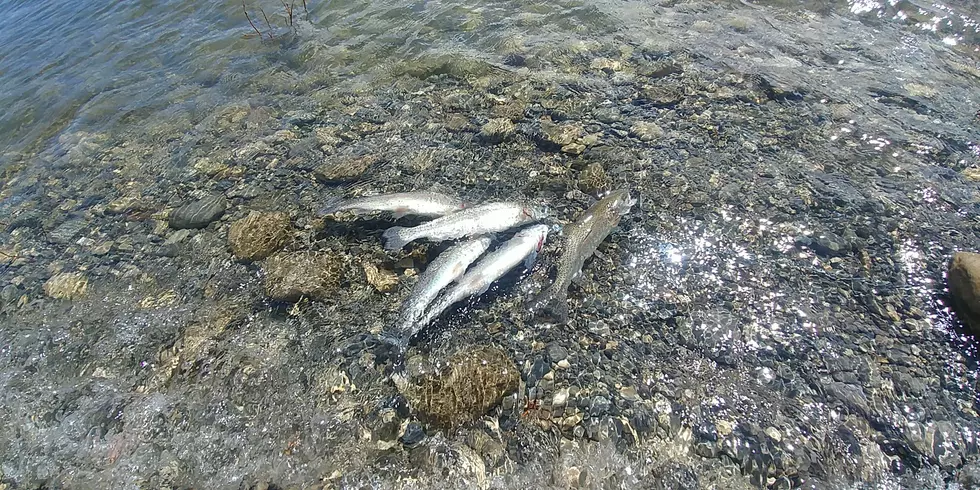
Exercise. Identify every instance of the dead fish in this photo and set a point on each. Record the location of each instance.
(524, 246)
(422, 203)
(581, 239)
(446, 268)
(477, 220)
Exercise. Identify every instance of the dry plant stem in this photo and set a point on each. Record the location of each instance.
(250, 20)
(267, 22)
(306, 10)
(289, 12)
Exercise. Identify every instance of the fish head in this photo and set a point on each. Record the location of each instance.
(620, 201)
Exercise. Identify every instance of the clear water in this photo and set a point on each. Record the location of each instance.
(725, 317)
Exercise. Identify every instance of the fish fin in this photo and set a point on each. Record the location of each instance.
(394, 238)
(553, 304)
(530, 259)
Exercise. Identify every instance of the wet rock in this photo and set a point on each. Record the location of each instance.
(259, 235)
(555, 137)
(469, 384)
(829, 245)
(291, 276)
(963, 280)
(972, 174)
(344, 168)
(491, 450)
(198, 214)
(67, 230)
(497, 131)
(413, 436)
(556, 352)
(646, 131)
(383, 280)
(67, 285)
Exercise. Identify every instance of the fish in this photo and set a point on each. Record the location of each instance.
(581, 239)
(478, 220)
(523, 247)
(443, 271)
(420, 203)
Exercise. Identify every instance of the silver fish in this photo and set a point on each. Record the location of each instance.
(524, 246)
(446, 268)
(421, 203)
(581, 239)
(477, 220)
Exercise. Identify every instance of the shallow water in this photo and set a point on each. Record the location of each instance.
(771, 313)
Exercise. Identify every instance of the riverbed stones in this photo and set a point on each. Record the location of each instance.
(198, 214)
(291, 276)
(468, 385)
(646, 131)
(593, 179)
(384, 280)
(66, 285)
(964, 287)
(259, 235)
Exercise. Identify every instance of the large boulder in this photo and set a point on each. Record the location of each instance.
(963, 280)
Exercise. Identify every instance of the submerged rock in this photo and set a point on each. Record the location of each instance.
(593, 179)
(198, 214)
(470, 383)
(497, 130)
(259, 235)
(382, 279)
(291, 276)
(344, 169)
(67, 285)
(646, 131)
(964, 287)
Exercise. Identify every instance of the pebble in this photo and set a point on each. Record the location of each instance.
(198, 214)
(963, 280)
(67, 230)
(413, 436)
(384, 280)
(344, 169)
(291, 276)
(497, 130)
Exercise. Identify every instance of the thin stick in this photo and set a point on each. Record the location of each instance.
(267, 22)
(289, 12)
(250, 20)
(306, 10)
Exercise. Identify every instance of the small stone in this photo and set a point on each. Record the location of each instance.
(497, 130)
(177, 237)
(600, 405)
(291, 276)
(564, 364)
(344, 169)
(556, 352)
(67, 285)
(829, 245)
(629, 393)
(593, 179)
(573, 148)
(605, 64)
(724, 428)
(774, 434)
(259, 235)
(413, 435)
(383, 280)
(560, 398)
(646, 131)
(963, 280)
(67, 230)
(554, 137)
(198, 214)
(972, 174)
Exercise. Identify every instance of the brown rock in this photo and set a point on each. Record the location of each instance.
(470, 383)
(964, 287)
(593, 179)
(343, 169)
(259, 235)
(383, 280)
(67, 285)
(291, 276)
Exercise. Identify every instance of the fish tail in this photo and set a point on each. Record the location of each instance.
(332, 205)
(395, 238)
(552, 303)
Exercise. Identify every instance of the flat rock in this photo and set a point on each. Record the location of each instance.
(963, 280)
(259, 235)
(497, 130)
(198, 214)
(67, 285)
(646, 131)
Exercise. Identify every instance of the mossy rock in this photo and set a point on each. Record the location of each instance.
(470, 383)
(259, 235)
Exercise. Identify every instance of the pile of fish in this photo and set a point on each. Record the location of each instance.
(454, 274)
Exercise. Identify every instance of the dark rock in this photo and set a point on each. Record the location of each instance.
(964, 288)
(67, 230)
(829, 245)
(556, 352)
(413, 436)
(198, 214)
(600, 405)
